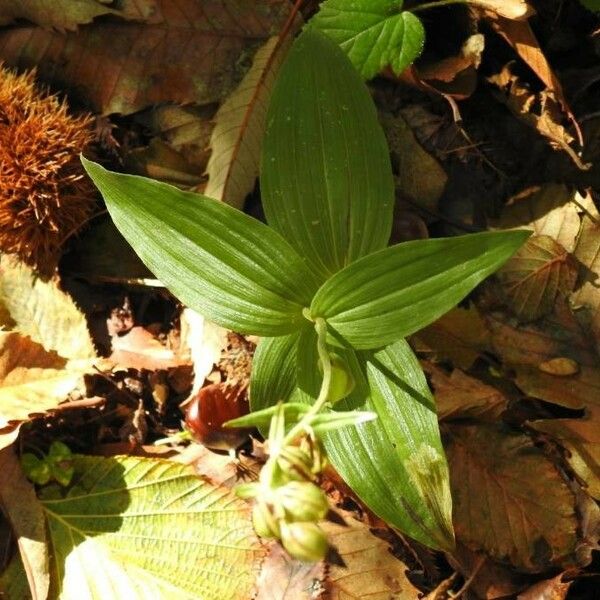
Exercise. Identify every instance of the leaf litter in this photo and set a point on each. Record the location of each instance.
(515, 370)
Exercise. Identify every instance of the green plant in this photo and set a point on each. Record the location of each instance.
(320, 282)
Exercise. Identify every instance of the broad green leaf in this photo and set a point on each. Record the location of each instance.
(273, 371)
(376, 459)
(373, 33)
(229, 267)
(593, 5)
(397, 291)
(136, 528)
(326, 178)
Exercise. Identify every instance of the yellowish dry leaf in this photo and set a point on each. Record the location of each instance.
(42, 311)
(548, 589)
(240, 123)
(498, 477)
(539, 274)
(371, 571)
(587, 252)
(284, 578)
(559, 366)
(550, 210)
(32, 380)
(511, 9)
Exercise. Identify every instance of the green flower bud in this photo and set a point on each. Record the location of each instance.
(296, 463)
(302, 501)
(342, 382)
(314, 448)
(304, 541)
(264, 521)
(247, 490)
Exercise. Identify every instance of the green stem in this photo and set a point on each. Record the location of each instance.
(300, 427)
(429, 5)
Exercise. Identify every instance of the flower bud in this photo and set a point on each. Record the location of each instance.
(264, 521)
(296, 463)
(314, 448)
(342, 382)
(303, 501)
(304, 541)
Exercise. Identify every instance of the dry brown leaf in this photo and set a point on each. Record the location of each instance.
(32, 380)
(581, 438)
(203, 343)
(139, 349)
(497, 479)
(61, 15)
(549, 589)
(460, 335)
(240, 123)
(574, 391)
(521, 37)
(21, 506)
(371, 570)
(511, 9)
(539, 274)
(459, 395)
(587, 252)
(489, 580)
(420, 176)
(285, 578)
(542, 111)
(550, 210)
(187, 52)
(558, 335)
(42, 311)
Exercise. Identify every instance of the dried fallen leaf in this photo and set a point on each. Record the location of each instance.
(284, 578)
(460, 336)
(511, 9)
(587, 252)
(459, 395)
(559, 366)
(549, 589)
(139, 349)
(542, 111)
(581, 438)
(521, 37)
(420, 176)
(186, 52)
(550, 210)
(539, 274)
(21, 506)
(371, 570)
(558, 335)
(32, 380)
(58, 14)
(240, 123)
(498, 477)
(574, 391)
(203, 342)
(43, 311)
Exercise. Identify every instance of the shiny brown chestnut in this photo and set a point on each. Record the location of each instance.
(212, 406)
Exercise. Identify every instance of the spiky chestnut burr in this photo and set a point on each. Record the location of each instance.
(44, 195)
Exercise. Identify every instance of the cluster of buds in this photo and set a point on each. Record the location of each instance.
(288, 503)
